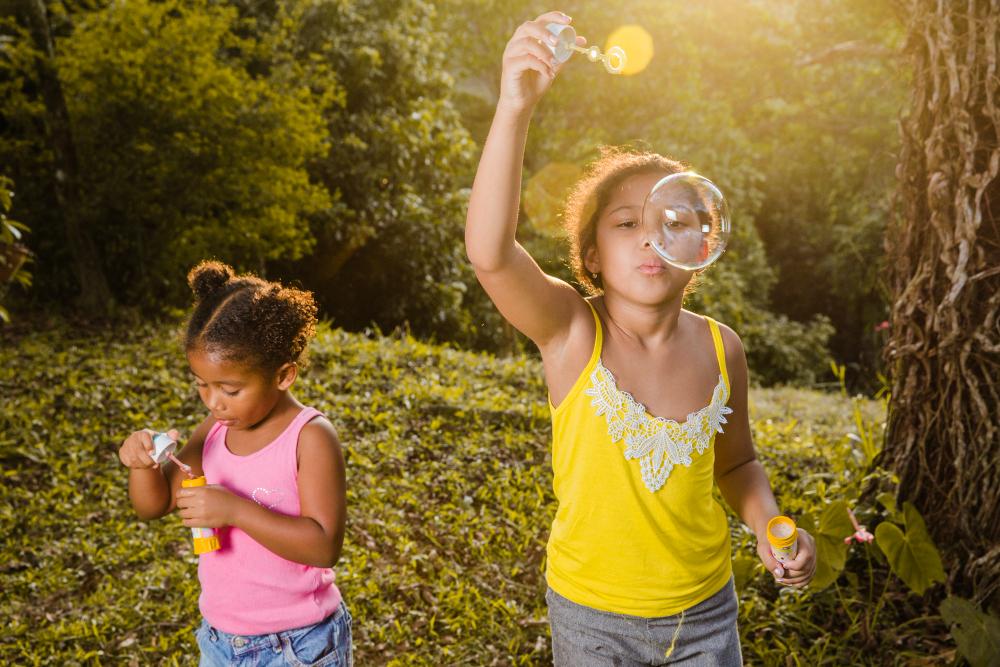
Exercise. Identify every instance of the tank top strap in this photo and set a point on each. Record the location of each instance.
(598, 337)
(305, 416)
(720, 350)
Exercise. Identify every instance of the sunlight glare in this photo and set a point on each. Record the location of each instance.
(637, 43)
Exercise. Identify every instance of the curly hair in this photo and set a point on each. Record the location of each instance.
(590, 196)
(248, 319)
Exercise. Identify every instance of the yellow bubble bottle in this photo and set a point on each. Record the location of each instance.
(783, 537)
(205, 539)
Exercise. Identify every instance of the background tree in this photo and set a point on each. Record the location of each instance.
(391, 249)
(943, 439)
(94, 295)
(187, 154)
(183, 153)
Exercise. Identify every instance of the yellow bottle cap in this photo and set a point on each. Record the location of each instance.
(202, 545)
(197, 481)
(781, 532)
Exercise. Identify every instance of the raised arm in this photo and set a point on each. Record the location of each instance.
(538, 305)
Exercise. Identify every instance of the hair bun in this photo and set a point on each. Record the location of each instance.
(208, 278)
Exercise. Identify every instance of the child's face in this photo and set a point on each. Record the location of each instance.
(238, 396)
(627, 263)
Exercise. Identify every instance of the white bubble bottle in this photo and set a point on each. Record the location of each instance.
(205, 539)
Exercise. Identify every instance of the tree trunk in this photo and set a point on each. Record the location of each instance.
(943, 250)
(95, 295)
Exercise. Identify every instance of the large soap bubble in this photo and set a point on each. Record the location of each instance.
(685, 219)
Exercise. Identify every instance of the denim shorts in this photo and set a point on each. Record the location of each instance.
(704, 635)
(325, 643)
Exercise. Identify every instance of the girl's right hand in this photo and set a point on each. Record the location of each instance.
(137, 450)
(529, 66)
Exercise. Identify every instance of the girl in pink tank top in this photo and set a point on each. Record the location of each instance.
(275, 491)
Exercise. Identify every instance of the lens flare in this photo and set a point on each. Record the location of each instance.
(637, 43)
(545, 192)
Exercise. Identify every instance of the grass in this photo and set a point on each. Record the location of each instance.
(449, 506)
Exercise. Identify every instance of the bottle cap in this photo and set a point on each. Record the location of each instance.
(163, 446)
(197, 481)
(781, 532)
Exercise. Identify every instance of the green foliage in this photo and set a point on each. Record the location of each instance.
(831, 552)
(830, 171)
(912, 555)
(450, 499)
(315, 141)
(801, 148)
(328, 143)
(185, 154)
(977, 634)
(867, 438)
(11, 231)
(21, 130)
(12, 252)
(398, 171)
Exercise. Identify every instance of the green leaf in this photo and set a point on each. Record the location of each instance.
(831, 552)
(888, 501)
(976, 633)
(912, 556)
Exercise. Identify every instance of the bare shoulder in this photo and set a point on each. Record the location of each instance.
(318, 438)
(730, 340)
(319, 431)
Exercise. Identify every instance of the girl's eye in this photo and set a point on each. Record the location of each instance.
(627, 223)
(230, 393)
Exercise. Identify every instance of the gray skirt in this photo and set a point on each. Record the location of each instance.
(705, 634)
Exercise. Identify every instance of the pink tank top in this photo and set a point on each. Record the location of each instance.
(245, 588)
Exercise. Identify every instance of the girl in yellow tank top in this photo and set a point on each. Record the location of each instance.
(648, 400)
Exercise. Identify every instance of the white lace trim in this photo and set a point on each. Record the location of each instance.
(658, 443)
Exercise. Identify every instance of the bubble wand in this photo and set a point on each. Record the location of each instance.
(164, 447)
(614, 60)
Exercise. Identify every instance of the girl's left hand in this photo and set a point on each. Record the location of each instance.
(797, 572)
(211, 506)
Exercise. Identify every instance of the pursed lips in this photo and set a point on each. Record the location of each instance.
(652, 268)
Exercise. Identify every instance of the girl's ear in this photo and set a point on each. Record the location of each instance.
(592, 260)
(286, 375)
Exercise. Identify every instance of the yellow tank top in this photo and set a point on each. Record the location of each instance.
(637, 530)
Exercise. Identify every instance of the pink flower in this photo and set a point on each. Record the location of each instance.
(860, 534)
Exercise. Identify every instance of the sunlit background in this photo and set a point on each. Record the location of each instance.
(332, 144)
